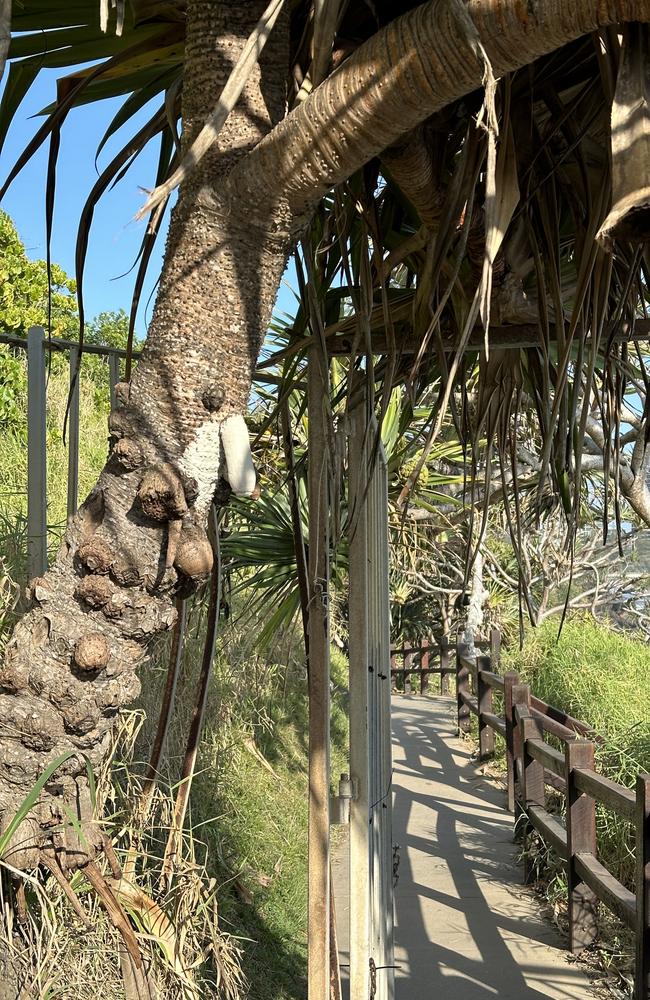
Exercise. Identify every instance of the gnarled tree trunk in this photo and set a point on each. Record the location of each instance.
(140, 536)
(72, 660)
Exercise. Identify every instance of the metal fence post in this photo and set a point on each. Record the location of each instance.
(642, 971)
(36, 455)
(462, 685)
(509, 681)
(73, 432)
(359, 710)
(485, 704)
(581, 839)
(113, 376)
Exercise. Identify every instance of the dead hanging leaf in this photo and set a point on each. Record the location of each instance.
(501, 199)
(252, 749)
(629, 217)
(153, 922)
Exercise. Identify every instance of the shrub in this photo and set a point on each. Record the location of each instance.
(601, 677)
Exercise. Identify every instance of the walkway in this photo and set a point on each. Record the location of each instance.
(465, 927)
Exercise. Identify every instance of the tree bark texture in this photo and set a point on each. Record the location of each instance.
(411, 69)
(72, 661)
(5, 32)
(140, 536)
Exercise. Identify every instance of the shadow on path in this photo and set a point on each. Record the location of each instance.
(465, 927)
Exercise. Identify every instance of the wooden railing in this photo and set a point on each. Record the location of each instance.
(532, 765)
(420, 661)
(425, 658)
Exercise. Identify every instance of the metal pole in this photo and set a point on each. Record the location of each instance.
(36, 456)
(73, 433)
(359, 675)
(642, 972)
(113, 375)
(318, 947)
(386, 985)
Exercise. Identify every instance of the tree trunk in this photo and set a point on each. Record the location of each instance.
(5, 32)
(140, 536)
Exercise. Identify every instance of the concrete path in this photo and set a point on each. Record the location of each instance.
(465, 927)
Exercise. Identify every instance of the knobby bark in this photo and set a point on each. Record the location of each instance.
(140, 536)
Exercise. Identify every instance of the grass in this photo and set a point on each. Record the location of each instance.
(601, 677)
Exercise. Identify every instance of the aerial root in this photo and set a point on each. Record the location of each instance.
(54, 868)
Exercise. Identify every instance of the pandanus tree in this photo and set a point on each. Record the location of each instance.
(506, 188)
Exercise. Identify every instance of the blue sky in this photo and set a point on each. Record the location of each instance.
(115, 235)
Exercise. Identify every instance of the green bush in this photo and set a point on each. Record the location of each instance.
(601, 677)
(13, 390)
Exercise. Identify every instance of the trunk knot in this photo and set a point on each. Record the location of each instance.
(194, 555)
(126, 572)
(91, 652)
(161, 494)
(117, 425)
(39, 590)
(96, 555)
(96, 591)
(122, 392)
(213, 398)
(127, 453)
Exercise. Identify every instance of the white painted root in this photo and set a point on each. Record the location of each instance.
(239, 471)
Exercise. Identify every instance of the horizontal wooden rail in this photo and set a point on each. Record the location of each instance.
(550, 828)
(616, 897)
(492, 680)
(551, 726)
(552, 759)
(610, 793)
(470, 701)
(554, 781)
(499, 725)
(425, 659)
(532, 765)
(555, 715)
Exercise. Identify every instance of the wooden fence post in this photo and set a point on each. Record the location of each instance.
(532, 778)
(485, 704)
(462, 685)
(444, 665)
(408, 678)
(36, 455)
(642, 971)
(318, 863)
(581, 839)
(424, 665)
(520, 694)
(509, 680)
(495, 649)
